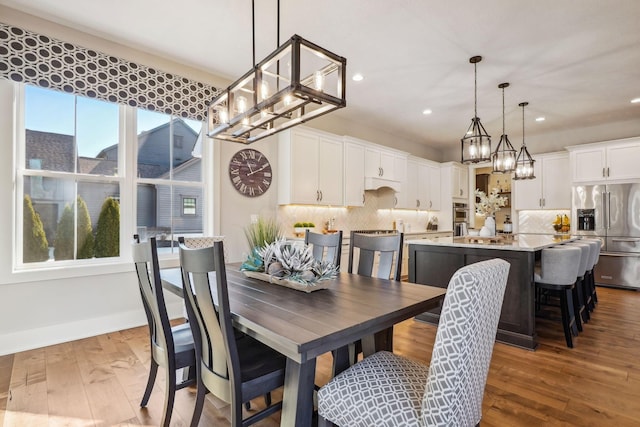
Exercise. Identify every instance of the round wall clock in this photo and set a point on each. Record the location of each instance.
(250, 172)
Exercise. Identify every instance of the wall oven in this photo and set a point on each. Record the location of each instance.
(460, 218)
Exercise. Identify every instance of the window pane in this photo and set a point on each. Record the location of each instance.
(159, 209)
(49, 123)
(97, 136)
(188, 206)
(70, 230)
(186, 167)
(154, 150)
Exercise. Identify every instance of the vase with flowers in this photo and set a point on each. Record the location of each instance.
(488, 205)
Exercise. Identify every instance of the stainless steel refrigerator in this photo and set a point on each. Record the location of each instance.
(611, 212)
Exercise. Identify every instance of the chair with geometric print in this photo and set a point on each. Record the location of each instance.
(385, 389)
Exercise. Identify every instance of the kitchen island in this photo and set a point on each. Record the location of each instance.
(433, 262)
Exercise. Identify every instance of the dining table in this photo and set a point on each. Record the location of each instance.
(304, 325)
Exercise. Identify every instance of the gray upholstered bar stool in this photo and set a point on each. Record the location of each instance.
(580, 299)
(558, 271)
(596, 245)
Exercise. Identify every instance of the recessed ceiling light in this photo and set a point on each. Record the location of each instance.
(635, 101)
(540, 119)
(427, 112)
(357, 77)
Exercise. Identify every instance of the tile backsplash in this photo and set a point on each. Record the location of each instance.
(539, 221)
(375, 214)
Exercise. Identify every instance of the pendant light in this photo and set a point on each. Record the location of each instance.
(504, 158)
(524, 162)
(297, 82)
(476, 143)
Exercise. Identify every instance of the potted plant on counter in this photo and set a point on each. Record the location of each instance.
(299, 228)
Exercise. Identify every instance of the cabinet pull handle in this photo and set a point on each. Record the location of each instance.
(363, 198)
(321, 195)
(395, 201)
(430, 204)
(607, 171)
(317, 195)
(603, 172)
(417, 203)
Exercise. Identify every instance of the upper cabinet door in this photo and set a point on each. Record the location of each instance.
(379, 163)
(353, 174)
(550, 189)
(330, 171)
(556, 182)
(588, 164)
(606, 161)
(310, 168)
(434, 192)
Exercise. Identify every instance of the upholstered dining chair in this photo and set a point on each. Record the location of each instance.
(379, 255)
(234, 368)
(172, 348)
(325, 246)
(388, 390)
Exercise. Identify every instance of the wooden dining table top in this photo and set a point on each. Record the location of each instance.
(304, 325)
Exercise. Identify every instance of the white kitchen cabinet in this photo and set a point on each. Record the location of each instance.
(613, 160)
(455, 180)
(353, 174)
(380, 163)
(310, 168)
(421, 188)
(550, 189)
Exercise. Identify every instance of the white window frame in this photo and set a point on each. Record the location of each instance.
(127, 179)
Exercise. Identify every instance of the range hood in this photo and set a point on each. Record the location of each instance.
(371, 183)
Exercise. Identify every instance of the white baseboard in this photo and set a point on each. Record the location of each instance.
(29, 339)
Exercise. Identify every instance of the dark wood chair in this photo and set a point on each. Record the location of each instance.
(386, 247)
(379, 255)
(235, 369)
(172, 348)
(325, 246)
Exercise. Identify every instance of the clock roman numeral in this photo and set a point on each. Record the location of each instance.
(235, 171)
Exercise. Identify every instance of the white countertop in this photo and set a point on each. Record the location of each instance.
(521, 242)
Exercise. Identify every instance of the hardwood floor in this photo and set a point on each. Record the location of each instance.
(99, 381)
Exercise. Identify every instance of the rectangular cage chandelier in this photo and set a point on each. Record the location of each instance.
(296, 83)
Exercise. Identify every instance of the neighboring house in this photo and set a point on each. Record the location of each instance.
(52, 151)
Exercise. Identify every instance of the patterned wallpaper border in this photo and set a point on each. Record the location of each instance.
(33, 58)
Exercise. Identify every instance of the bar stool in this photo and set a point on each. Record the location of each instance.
(596, 245)
(580, 299)
(558, 271)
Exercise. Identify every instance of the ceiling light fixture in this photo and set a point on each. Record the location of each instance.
(297, 82)
(476, 144)
(357, 77)
(524, 162)
(504, 158)
(540, 119)
(635, 100)
(426, 112)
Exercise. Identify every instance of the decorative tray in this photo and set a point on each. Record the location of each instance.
(298, 286)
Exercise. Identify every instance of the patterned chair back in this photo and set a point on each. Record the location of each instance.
(464, 344)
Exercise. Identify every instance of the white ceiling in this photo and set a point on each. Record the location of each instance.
(577, 62)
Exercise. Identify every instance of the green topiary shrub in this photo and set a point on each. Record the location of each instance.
(108, 230)
(86, 241)
(35, 247)
(64, 235)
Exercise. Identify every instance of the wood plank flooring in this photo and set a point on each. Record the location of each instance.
(99, 381)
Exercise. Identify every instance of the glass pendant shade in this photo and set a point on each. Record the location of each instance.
(504, 158)
(524, 162)
(476, 143)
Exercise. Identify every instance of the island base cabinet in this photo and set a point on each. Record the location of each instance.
(434, 265)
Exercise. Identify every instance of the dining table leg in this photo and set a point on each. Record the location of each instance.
(297, 399)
